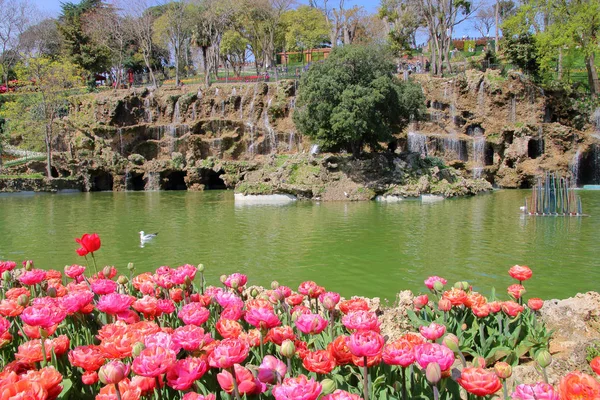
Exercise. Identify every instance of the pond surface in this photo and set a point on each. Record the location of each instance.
(365, 248)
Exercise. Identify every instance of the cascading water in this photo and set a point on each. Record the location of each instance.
(452, 146)
(417, 143)
(291, 141)
(223, 108)
(251, 146)
(478, 152)
(127, 179)
(233, 92)
(152, 181)
(147, 110)
(314, 149)
(596, 122)
(481, 98)
(541, 144)
(268, 128)
(405, 75)
(292, 103)
(574, 165)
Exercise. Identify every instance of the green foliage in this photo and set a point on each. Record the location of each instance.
(352, 99)
(592, 351)
(305, 28)
(522, 51)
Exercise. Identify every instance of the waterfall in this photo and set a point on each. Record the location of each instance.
(215, 145)
(127, 180)
(596, 122)
(405, 75)
(314, 149)
(292, 103)
(173, 138)
(147, 110)
(233, 92)
(152, 181)
(452, 144)
(540, 140)
(251, 146)
(120, 132)
(478, 152)
(575, 162)
(194, 114)
(223, 108)
(212, 110)
(252, 102)
(242, 107)
(216, 91)
(481, 98)
(176, 113)
(417, 143)
(269, 129)
(291, 141)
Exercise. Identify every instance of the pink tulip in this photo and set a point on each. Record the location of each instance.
(429, 282)
(361, 320)
(114, 303)
(194, 314)
(196, 396)
(184, 372)
(538, 391)
(365, 343)
(161, 339)
(32, 277)
(233, 312)
(299, 388)
(420, 301)
(190, 337)
(311, 289)
(433, 352)
(154, 361)
(433, 331)
(7, 266)
(311, 324)
(341, 395)
(271, 370)
(43, 315)
(228, 352)
(74, 271)
(329, 300)
(113, 372)
(236, 280)
(399, 352)
(104, 286)
(247, 383)
(262, 318)
(228, 299)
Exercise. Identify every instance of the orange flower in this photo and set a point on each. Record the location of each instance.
(14, 293)
(511, 308)
(456, 296)
(24, 389)
(595, 365)
(353, 305)
(10, 308)
(475, 299)
(520, 272)
(340, 351)
(30, 352)
(128, 390)
(371, 361)
(319, 361)
(49, 378)
(228, 328)
(479, 382)
(578, 386)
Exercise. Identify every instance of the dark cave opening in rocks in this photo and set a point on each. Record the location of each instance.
(488, 155)
(174, 180)
(136, 182)
(589, 167)
(212, 180)
(101, 181)
(535, 148)
(54, 172)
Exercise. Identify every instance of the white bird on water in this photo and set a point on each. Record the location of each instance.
(146, 238)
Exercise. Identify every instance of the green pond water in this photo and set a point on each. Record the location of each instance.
(365, 248)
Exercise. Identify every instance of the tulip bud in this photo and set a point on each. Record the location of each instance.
(6, 276)
(543, 358)
(28, 265)
(254, 292)
(106, 271)
(122, 280)
(137, 348)
(130, 267)
(465, 286)
(23, 300)
(503, 370)
(444, 305)
(113, 372)
(51, 291)
(288, 348)
(458, 285)
(274, 285)
(464, 327)
(329, 386)
(200, 267)
(479, 362)
(438, 286)
(223, 278)
(452, 342)
(433, 372)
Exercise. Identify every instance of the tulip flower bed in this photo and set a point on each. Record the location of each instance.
(167, 335)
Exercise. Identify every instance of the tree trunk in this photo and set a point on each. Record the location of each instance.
(433, 61)
(176, 68)
(147, 62)
(592, 75)
(496, 43)
(47, 139)
(205, 65)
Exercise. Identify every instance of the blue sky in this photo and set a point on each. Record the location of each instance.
(52, 8)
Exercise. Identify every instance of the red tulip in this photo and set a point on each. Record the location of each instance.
(535, 303)
(319, 361)
(595, 365)
(89, 243)
(520, 272)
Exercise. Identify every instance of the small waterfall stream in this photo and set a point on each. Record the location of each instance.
(417, 143)
(270, 132)
(478, 152)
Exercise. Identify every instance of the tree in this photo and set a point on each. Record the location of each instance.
(174, 30)
(42, 39)
(522, 51)
(352, 99)
(15, 16)
(38, 113)
(140, 22)
(403, 20)
(484, 20)
(306, 28)
(233, 50)
(82, 50)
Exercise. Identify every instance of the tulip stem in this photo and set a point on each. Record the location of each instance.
(482, 337)
(158, 392)
(289, 366)
(544, 374)
(262, 346)
(403, 383)
(42, 341)
(95, 266)
(504, 389)
(236, 391)
(436, 393)
(366, 378)
(118, 391)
